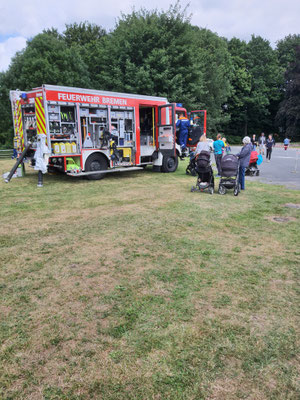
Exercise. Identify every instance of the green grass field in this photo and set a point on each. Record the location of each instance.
(135, 288)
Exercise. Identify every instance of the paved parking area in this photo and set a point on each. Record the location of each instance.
(283, 169)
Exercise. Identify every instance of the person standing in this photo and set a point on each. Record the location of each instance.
(183, 125)
(202, 145)
(262, 143)
(227, 147)
(254, 142)
(218, 146)
(286, 143)
(269, 145)
(244, 158)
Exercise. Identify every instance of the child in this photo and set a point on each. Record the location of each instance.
(227, 147)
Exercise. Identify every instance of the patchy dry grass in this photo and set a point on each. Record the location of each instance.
(135, 288)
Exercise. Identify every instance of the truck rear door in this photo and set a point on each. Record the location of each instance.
(166, 127)
(198, 127)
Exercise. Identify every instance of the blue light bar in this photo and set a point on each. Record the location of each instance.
(179, 104)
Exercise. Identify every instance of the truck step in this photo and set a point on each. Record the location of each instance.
(107, 171)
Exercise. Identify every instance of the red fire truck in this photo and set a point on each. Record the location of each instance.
(89, 131)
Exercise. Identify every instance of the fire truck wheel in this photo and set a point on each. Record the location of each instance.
(96, 162)
(170, 164)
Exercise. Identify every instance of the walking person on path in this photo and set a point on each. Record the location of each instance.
(244, 158)
(286, 143)
(269, 145)
(262, 143)
(218, 146)
(254, 142)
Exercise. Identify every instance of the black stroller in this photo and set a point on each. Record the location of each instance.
(229, 174)
(191, 168)
(205, 174)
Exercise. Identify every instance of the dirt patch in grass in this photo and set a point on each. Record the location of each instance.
(281, 219)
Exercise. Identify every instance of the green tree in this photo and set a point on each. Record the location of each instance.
(215, 64)
(153, 53)
(6, 126)
(266, 79)
(83, 33)
(46, 59)
(88, 39)
(236, 105)
(286, 49)
(256, 92)
(288, 116)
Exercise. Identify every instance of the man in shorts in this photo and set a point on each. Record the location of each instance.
(262, 143)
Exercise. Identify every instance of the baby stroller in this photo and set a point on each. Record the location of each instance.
(205, 179)
(191, 168)
(255, 160)
(229, 174)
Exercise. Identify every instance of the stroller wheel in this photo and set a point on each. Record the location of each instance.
(211, 190)
(236, 191)
(193, 172)
(193, 189)
(222, 189)
(257, 173)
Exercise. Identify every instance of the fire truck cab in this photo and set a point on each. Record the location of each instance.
(89, 131)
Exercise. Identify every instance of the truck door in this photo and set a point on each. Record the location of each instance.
(166, 128)
(167, 137)
(198, 127)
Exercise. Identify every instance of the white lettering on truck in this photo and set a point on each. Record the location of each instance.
(114, 101)
(78, 97)
(91, 99)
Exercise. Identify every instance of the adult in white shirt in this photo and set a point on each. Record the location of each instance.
(203, 145)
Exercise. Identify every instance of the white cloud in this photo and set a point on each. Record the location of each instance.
(272, 19)
(8, 49)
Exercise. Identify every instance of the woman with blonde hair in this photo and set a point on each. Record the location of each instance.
(202, 145)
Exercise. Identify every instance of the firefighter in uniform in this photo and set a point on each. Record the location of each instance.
(183, 125)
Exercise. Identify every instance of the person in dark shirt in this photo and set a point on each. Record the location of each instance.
(270, 143)
(254, 142)
(244, 157)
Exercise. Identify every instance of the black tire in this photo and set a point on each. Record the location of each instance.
(193, 189)
(236, 191)
(96, 162)
(257, 173)
(221, 190)
(211, 190)
(170, 164)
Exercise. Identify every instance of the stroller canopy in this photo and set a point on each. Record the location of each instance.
(229, 165)
(253, 157)
(203, 161)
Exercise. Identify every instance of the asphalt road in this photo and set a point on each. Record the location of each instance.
(283, 169)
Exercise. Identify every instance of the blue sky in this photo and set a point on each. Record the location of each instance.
(21, 20)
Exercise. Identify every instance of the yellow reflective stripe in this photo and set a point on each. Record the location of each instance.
(40, 116)
(20, 124)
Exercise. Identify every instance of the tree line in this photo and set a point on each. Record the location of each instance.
(246, 87)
